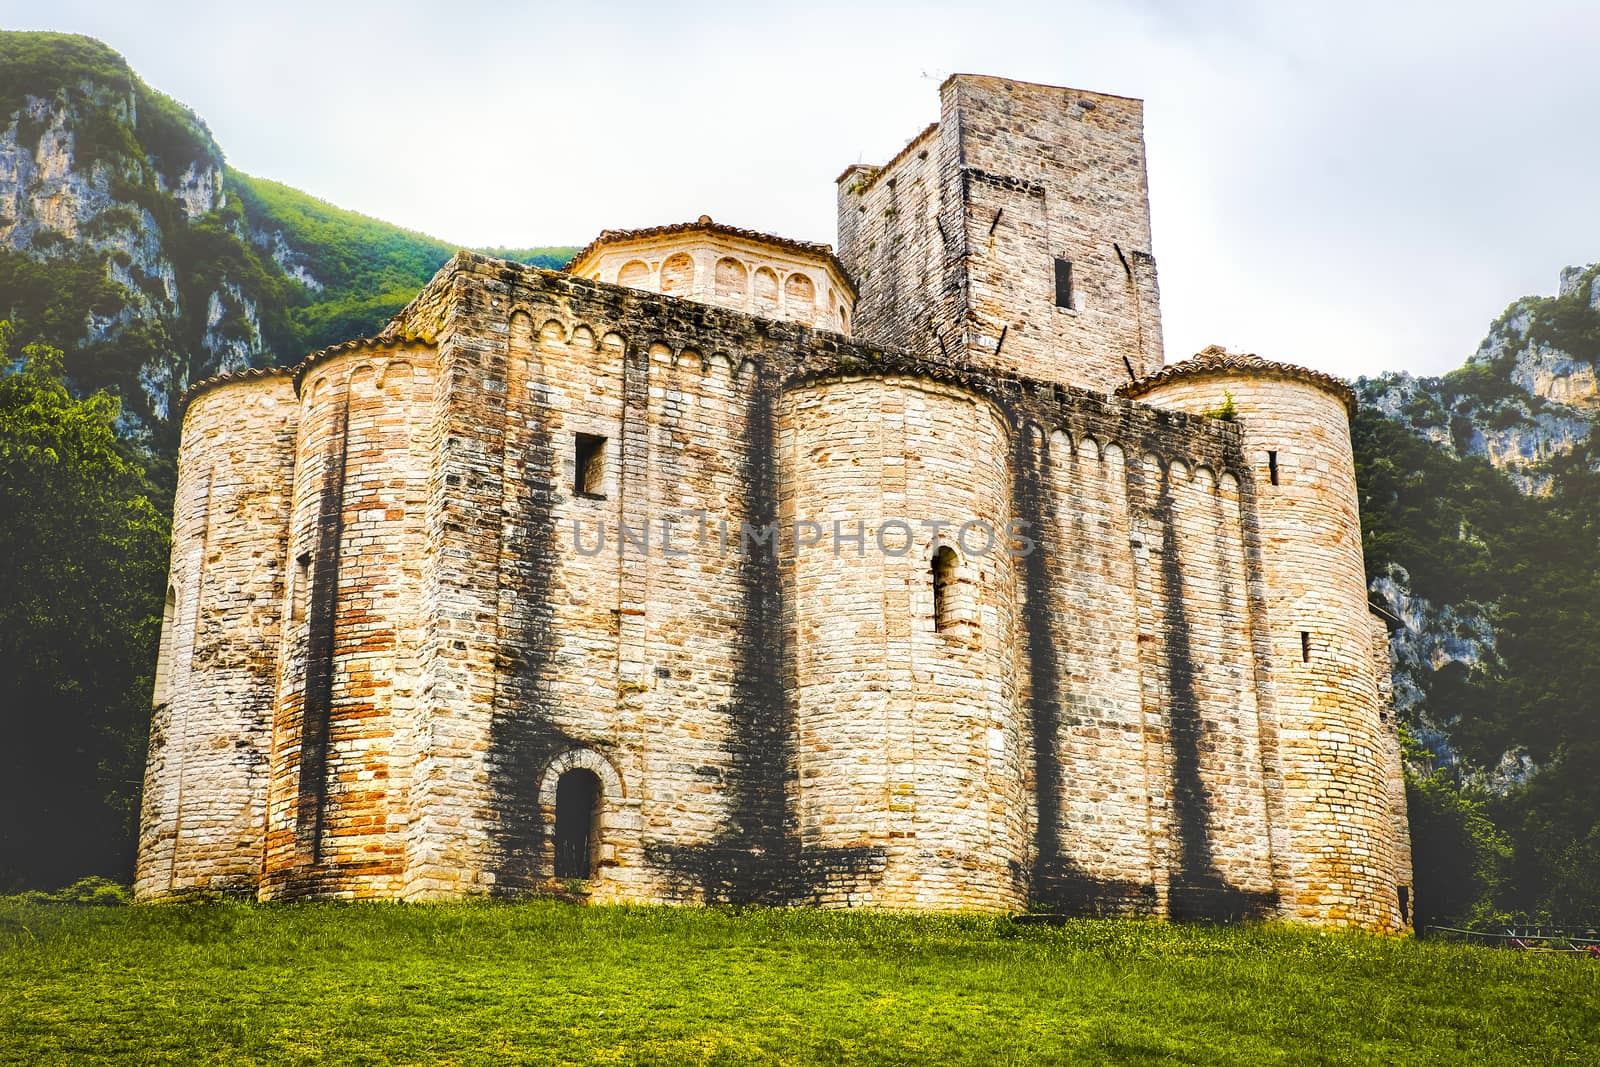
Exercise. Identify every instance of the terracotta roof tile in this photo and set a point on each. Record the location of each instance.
(1217, 360)
(298, 370)
(205, 385)
(704, 224)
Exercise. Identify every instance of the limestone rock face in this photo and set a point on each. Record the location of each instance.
(117, 208)
(1522, 399)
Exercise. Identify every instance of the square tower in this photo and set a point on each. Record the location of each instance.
(1014, 233)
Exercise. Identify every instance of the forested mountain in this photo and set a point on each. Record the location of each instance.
(128, 244)
(1481, 512)
(127, 241)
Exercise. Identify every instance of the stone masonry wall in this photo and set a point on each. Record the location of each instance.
(1092, 725)
(909, 730)
(953, 243)
(1327, 744)
(205, 789)
(346, 711)
(1141, 600)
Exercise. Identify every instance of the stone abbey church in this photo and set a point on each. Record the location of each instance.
(722, 567)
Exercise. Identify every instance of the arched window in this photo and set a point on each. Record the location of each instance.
(944, 591)
(577, 823)
(677, 274)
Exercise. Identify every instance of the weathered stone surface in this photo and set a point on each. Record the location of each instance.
(795, 669)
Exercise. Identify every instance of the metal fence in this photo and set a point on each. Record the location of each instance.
(1579, 940)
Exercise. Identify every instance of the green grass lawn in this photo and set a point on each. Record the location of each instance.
(553, 983)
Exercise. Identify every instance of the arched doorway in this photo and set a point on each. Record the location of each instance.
(577, 836)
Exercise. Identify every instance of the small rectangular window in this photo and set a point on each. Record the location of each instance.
(302, 587)
(1063, 283)
(589, 465)
(1305, 646)
(1272, 467)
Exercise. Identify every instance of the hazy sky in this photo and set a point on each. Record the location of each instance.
(1354, 186)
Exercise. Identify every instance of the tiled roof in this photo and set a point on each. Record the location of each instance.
(1216, 360)
(248, 374)
(704, 224)
(380, 341)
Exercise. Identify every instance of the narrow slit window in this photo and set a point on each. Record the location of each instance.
(944, 580)
(1063, 283)
(1272, 467)
(1305, 646)
(302, 587)
(589, 465)
(169, 626)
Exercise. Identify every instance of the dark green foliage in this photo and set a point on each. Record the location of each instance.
(546, 983)
(1568, 323)
(93, 890)
(1417, 501)
(84, 686)
(62, 66)
(368, 269)
(553, 257)
(1462, 859)
(83, 558)
(1466, 534)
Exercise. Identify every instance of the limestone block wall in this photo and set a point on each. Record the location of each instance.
(346, 714)
(1210, 828)
(205, 787)
(890, 240)
(1334, 839)
(909, 731)
(1093, 783)
(1399, 819)
(1141, 602)
(558, 542)
(954, 243)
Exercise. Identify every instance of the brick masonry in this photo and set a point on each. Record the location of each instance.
(407, 604)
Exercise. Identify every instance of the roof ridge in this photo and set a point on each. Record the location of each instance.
(1214, 359)
(708, 225)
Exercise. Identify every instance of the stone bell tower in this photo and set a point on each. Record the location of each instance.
(1014, 233)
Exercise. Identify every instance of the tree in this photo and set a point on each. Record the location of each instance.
(83, 559)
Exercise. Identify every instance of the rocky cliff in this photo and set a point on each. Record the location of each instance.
(1480, 484)
(128, 242)
(1526, 397)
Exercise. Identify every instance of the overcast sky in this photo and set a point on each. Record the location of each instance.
(1354, 186)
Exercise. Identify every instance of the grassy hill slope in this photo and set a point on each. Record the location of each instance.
(554, 983)
(364, 269)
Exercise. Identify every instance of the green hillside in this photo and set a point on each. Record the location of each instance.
(135, 249)
(368, 269)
